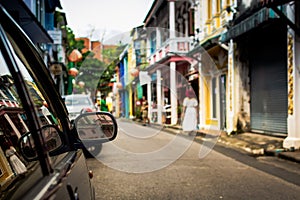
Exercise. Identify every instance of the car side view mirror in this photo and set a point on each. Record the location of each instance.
(52, 141)
(96, 127)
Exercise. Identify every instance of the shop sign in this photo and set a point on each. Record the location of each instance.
(56, 36)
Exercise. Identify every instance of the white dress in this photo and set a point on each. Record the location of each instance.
(16, 163)
(190, 116)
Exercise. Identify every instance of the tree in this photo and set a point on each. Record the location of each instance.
(71, 42)
(91, 69)
(111, 56)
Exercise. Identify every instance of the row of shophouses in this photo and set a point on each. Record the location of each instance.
(46, 26)
(241, 58)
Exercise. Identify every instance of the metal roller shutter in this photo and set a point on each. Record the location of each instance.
(268, 72)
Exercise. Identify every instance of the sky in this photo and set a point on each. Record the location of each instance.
(105, 20)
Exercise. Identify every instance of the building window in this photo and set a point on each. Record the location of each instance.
(137, 47)
(153, 42)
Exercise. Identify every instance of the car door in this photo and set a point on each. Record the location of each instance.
(63, 176)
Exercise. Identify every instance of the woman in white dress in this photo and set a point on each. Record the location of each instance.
(15, 162)
(189, 112)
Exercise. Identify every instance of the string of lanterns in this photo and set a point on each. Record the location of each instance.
(74, 56)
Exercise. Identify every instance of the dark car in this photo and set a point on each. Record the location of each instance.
(41, 153)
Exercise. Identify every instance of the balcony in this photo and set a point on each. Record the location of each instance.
(178, 45)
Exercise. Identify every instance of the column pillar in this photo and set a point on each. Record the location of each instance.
(125, 86)
(173, 93)
(231, 97)
(149, 97)
(200, 93)
(173, 90)
(158, 38)
(158, 92)
(186, 24)
(172, 18)
(130, 102)
(293, 69)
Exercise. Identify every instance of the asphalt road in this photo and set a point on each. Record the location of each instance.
(147, 163)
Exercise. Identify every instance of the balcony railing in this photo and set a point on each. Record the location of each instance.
(178, 45)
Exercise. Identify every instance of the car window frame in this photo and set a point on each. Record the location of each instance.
(25, 98)
(14, 42)
(39, 71)
(12, 34)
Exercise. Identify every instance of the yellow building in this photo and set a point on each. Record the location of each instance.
(210, 19)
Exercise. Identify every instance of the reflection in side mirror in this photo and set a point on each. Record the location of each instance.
(52, 141)
(96, 126)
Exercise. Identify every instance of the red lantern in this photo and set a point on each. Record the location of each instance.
(75, 56)
(73, 72)
(119, 85)
(45, 104)
(134, 72)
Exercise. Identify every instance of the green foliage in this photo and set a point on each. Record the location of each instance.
(111, 56)
(91, 70)
(71, 42)
(89, 67)
(95, 74)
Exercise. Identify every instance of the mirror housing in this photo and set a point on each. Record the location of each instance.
(52, 139)
(99, 127)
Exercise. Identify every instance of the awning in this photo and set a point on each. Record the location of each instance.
(28, 22)
(248, 24)
(206, 44)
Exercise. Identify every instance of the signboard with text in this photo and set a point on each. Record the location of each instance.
(56, 36)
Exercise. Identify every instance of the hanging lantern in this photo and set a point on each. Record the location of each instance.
(56, 68)
(119, 85)
(45, 104)
(134, 72)
(81, 84)
(75, 56)
(73, 72)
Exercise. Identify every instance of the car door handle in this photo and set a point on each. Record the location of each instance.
(72, 193)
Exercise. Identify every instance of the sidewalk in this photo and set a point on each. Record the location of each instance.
(249, 143)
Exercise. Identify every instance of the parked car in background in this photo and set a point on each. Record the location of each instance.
(41, 158)
(78, 103)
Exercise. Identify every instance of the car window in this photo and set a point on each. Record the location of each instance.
(12, 126)
(18, 175)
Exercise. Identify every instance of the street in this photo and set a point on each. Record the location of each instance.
(147, 163)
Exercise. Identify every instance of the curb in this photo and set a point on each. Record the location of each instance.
(289, 156)
(255, 152)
